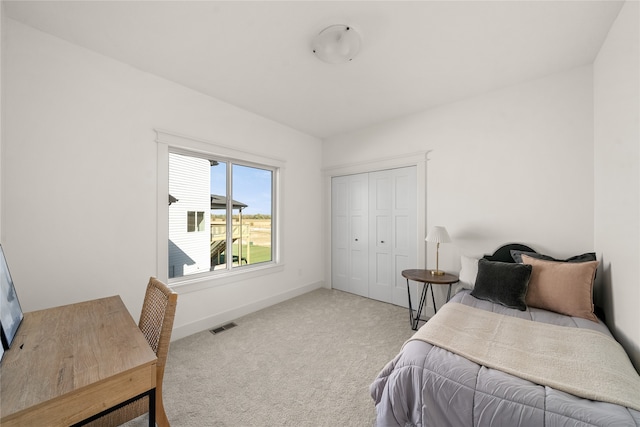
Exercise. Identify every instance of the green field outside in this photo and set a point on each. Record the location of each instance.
(256, 254)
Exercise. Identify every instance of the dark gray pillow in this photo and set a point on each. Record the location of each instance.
(503, 283)
(517, 257)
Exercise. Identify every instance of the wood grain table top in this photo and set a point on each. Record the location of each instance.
(71, 362)
(425, 276)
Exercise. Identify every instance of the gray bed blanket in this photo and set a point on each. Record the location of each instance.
(426, 385)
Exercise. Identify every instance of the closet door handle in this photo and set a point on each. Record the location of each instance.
(356, 240)
(381, 241)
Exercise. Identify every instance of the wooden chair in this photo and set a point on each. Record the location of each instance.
(156, 323)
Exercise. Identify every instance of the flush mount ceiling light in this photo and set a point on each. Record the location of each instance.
(336, 44)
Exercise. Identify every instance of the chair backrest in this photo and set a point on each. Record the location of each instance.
(156, 318)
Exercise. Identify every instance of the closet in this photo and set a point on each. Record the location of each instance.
(373, 233)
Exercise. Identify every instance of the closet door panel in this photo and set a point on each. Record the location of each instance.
(339, 233)
(340, 254)
(349, 233)
(404, 230)
(381, 245)
(358, 279)
(380, 273)
(359, 274)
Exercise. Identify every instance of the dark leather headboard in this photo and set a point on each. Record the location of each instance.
(503, 253)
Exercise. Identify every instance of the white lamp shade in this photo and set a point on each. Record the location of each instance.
(336, 44)
(438, 234)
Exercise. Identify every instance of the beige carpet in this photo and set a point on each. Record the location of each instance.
(305, 362)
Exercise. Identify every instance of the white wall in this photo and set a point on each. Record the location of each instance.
(515, 165)
(79, 169)
(617, 176)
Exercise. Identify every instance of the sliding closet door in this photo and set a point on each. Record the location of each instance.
(349, 233)
(392, 231)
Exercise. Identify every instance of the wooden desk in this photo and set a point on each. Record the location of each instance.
(69, 363)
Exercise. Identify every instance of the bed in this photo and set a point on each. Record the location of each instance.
(519, 344)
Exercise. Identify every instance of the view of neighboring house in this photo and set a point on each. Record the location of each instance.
(189, 215)
(198, 219)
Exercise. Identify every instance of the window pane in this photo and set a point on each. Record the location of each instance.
(191, 221)
(200, 220)
(252, 219)
(189, 187)
(218, 183)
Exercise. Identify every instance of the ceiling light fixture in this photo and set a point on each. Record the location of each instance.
(336, 44)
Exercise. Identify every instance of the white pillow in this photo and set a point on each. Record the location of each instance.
(468, 272)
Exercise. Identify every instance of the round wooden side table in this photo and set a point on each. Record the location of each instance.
(429, 279)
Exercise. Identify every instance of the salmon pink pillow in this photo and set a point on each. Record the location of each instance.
(563, 287)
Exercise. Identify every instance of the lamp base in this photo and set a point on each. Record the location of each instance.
(437, 273)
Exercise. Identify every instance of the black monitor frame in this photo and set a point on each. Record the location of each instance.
(10, 310)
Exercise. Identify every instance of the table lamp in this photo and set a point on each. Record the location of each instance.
(438, 234)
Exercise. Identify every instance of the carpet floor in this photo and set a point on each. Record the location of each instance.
(307, 361)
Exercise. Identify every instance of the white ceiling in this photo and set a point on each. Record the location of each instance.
(257, 56)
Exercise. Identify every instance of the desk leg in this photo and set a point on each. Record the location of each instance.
(152, 407)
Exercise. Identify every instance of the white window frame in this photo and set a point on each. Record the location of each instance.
(175, 143)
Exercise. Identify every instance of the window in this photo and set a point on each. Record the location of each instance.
(221, 214)
(195, 221)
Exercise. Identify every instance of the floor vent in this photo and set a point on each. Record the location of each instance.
(223, 328)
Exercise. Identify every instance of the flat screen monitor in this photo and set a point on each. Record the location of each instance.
(10, 310)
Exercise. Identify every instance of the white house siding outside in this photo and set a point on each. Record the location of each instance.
(189, 183)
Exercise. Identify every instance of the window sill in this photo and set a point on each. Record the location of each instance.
(188, 284)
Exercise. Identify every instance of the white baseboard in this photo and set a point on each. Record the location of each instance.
(227, 316)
